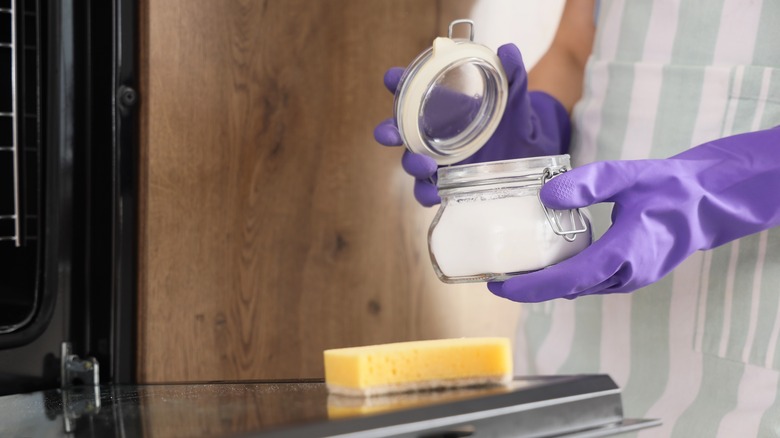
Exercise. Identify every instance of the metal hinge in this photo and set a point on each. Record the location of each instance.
(79, 402)
(78, 375)
(76, 371)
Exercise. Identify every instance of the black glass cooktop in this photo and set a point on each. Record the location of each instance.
(582, 406)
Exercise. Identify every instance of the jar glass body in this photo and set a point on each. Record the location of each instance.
(492, 226)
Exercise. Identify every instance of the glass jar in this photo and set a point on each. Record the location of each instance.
(491, 224)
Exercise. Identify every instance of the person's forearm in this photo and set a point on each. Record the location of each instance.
(561, 70)
(559, 75)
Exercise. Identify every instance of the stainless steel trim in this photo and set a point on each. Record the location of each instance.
(465, 418)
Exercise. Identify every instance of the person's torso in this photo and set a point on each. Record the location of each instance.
(700, 348)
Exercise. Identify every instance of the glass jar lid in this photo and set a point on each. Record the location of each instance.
(450, 99)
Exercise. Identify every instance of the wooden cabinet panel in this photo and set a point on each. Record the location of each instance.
(272, 225)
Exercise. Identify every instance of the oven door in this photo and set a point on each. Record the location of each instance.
(67, 191)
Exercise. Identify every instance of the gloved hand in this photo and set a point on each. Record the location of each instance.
(664, 211)
(533, 124)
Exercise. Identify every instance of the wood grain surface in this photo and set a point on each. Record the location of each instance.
(272, 225)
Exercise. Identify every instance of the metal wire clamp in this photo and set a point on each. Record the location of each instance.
(552, 217)
(462, 21)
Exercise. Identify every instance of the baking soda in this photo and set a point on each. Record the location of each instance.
(499, 236)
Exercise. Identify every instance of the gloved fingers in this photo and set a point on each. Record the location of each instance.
(418, 165)
(512, 61)
(520, 123)
(386, 133)
(392, 77)
(426, 193)
(597, 182)
(616, 210)
(600, 289)
(583, 272)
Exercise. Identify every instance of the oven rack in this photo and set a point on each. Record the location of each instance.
(8, 114)
(20, 109)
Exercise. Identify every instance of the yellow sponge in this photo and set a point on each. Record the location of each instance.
(419, 365)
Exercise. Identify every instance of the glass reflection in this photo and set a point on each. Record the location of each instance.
(454, 107)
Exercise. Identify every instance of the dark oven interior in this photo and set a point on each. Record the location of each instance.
(21, 157)
(68, 159)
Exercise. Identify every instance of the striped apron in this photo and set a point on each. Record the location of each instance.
(700, 349)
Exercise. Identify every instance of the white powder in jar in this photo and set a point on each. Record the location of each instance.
(499, 236)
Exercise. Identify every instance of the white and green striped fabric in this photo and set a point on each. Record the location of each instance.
(700, 349)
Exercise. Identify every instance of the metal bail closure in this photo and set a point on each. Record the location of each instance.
(451, 98)
(462, 21)
(552, 216)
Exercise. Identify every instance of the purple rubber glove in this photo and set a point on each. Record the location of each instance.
(533, 124)
(664, 211)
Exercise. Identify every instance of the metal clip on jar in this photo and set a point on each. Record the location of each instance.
(491, 224)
